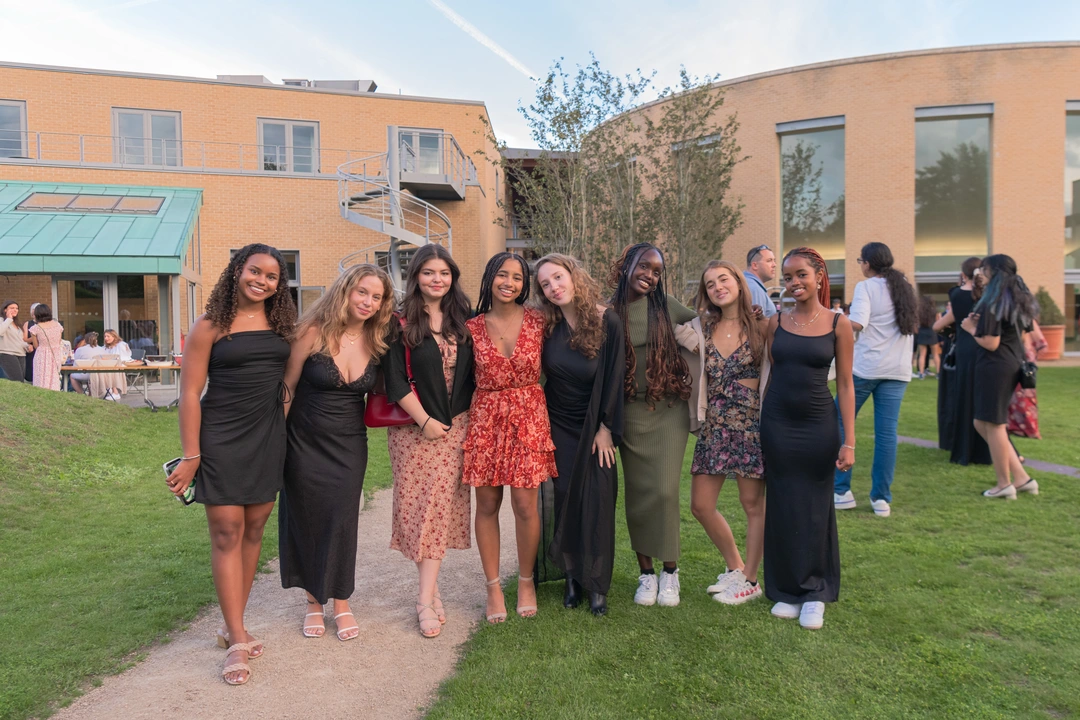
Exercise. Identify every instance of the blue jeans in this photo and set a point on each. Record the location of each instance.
(888, 394)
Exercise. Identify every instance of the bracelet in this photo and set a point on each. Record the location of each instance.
(192, 457)
(849, 447)
(425, 424)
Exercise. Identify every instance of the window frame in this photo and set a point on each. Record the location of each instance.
(119, 146)
(415, 134)
(23, 128)
(290, 145)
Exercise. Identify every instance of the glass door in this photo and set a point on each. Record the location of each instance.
(80, 305)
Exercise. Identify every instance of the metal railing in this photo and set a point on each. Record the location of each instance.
(170, 155)
(426, 152)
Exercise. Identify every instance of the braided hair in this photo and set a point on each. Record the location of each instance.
(666, 373)
(222, 303)
(879, 258)
(1006, 296)
(488, 280)
(813, 257)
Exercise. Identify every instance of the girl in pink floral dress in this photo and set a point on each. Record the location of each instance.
(46, 337)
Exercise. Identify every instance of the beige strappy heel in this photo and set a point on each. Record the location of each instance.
(525, 610)
(223, 643)
(495, 618)
(426, 628)
(236, 667)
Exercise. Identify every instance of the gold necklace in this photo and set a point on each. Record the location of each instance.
(352, 338)
(791, 314)
(728, 321)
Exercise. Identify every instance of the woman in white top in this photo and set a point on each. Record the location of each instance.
(88, 350)
(115, 384)
(884, 312)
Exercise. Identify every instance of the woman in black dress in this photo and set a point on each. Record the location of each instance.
(956, 390)
(332, 367)
(234, 439)
(800, 439)
(584, 363)
(1004, 312)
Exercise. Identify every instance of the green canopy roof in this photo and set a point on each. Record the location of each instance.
(112, 241)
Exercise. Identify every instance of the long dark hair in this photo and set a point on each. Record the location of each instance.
(905, 305)
(927, 311)
(492, 269)
(5, 306)
(1005, 296)
(280, 310)
(455, 303)
(666, 373)
(710, 314)
(813, 257)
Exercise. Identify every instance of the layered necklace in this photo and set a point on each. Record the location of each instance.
(351, 338)
(799, 325)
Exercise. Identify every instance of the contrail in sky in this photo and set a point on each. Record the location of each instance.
(475, 33)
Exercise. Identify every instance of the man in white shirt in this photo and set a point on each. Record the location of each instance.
(760, 269)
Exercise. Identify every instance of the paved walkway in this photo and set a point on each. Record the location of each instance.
(1028, 462)
(389, 671)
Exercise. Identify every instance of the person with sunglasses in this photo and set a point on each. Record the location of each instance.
(760, 269)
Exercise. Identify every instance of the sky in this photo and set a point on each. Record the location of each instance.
(490, 49)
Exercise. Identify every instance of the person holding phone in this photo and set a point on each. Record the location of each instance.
(234, 438)
(13, 342)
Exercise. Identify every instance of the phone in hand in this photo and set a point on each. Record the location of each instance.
(189, 495)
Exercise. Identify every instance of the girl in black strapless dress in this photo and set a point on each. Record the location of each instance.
(235, 438)
(800, 440)
(332, 367)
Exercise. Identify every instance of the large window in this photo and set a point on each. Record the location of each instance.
(421, 151)
(952, 191)
(1072, 191)
(146, 137)
(812, 193)
(12, 128)
(289, 146)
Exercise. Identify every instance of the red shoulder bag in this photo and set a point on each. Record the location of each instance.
(380, 412)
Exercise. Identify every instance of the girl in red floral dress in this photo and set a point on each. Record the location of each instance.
(509, 436)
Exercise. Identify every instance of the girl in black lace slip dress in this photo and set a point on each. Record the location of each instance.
(332, 367)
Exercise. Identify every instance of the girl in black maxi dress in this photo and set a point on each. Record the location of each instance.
(967, 446)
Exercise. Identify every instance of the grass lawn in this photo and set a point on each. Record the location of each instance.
(97, 561)
(955, 605)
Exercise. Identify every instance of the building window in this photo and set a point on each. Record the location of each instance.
(952, 191)
(421, 151)
(146, 137)
(812, 193)
(289, 146)
(12, 129)
(1072, 191)
(112, 204)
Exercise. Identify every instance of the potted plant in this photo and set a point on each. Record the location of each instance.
(1052, 324)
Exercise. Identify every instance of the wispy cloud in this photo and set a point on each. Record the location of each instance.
(476, 34)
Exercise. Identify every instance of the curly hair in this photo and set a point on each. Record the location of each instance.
(330, 313)
(222, 303)
(813, 257)
(879, 258)
(588, 337)
(710, 314)
(666, 373)
(492, 269)
(455, 303)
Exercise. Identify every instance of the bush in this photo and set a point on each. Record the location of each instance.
(1049, 312)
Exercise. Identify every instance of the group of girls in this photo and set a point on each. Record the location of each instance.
(284, 412)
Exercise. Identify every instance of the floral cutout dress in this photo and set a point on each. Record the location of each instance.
(730, 437)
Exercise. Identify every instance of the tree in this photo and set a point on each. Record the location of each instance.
(806, 219)
(952, 195)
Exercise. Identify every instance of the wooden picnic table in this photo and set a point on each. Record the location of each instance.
(137, 367)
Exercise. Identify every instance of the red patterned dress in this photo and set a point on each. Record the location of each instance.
(509, 439)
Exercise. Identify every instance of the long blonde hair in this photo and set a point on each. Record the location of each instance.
(330, 313)
(588, 336)
(710, 313)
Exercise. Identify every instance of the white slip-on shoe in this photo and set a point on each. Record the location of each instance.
(787, 611)
(647, 589)
(738, 593)
(1008, 492)
(881, 508)
(1029, 487)
(724, 580)
(812, 616)
(845, 501)
(669, 589)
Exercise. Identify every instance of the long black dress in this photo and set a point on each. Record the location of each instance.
(581, 394)
(968, 447)
(800, 438)
(324, 479)
(242, 438)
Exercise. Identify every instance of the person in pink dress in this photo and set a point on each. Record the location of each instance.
(509, 438)
(46, 337)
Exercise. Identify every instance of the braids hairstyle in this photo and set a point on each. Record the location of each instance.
(969, 266)
(710, 313)
(1005, 296)
(455, 304)
(588, 337)
(492, 269)
(222, 303)
(879, 258)
(927, 311)
(666, 373)
(330, 313)
(818, 264)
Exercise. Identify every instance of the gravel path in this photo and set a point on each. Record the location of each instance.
(389, 671)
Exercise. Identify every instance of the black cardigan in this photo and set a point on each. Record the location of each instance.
(427, 370)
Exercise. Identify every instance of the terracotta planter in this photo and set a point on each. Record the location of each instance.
(1055, 342)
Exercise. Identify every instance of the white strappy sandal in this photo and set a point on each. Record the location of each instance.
(309, 630)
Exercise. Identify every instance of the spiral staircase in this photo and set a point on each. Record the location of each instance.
(388, 193)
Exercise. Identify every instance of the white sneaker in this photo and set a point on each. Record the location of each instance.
(812, 616)
(646, 590)
(739, 592)
(1008, 492)
(881, 508)
(787, 611)
(724, 580)
(845, 501)
(669, 589)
